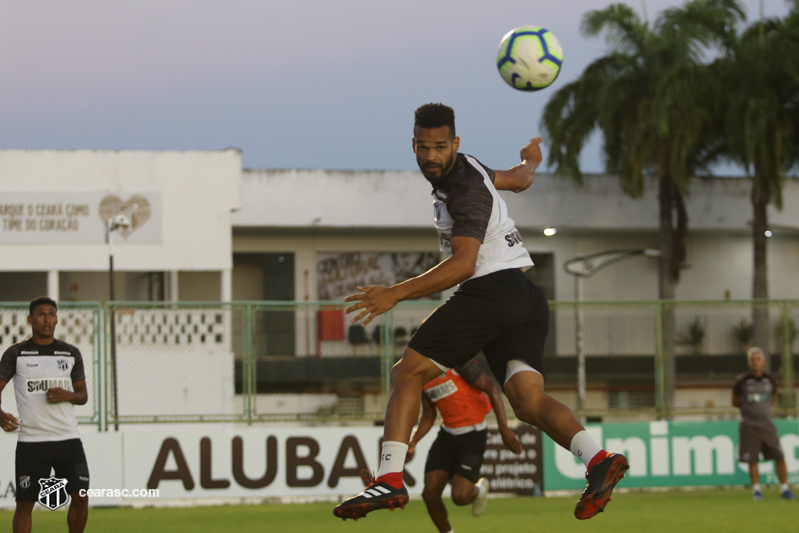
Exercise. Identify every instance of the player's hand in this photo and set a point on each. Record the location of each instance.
(410, 452)
(373, 301)
(8, 422)
(57, 394)
(511, 441)
(531, 153)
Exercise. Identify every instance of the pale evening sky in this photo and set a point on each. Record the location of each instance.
(295, 84)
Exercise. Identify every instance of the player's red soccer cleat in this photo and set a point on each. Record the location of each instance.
(601, 480)
(377, 495)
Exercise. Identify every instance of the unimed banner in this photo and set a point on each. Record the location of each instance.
(672, 454)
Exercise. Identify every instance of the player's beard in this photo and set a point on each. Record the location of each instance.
(434, 171)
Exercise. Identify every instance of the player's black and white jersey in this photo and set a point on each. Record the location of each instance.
(35, 368)
(466, 204)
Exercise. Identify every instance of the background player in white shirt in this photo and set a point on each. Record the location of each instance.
(48, 379)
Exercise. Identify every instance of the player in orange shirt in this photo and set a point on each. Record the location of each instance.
(464, 396)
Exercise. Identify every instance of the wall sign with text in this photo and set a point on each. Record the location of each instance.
(78, 217)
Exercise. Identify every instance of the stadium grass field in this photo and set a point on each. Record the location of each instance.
(704, 511)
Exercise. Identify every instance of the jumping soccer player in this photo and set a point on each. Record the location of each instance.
(496, 309)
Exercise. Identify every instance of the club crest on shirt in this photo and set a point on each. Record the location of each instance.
(62, 364)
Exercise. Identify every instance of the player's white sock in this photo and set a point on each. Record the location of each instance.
(784, 487)
(392, 457)
(584, 447)
(756, 487)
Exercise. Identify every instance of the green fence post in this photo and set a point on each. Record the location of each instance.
(100, 381)
(248, 366)
(660, 364)
(788, 333)
(106, 368)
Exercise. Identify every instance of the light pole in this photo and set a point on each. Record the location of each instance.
(119, 222)
(584, 267)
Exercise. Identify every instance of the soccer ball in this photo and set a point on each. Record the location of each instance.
(529, 58)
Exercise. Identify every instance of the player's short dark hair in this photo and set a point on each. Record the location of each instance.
(42, 300)
(435, 116)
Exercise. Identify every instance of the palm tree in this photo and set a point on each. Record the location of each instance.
(761, 123)
(644, 99)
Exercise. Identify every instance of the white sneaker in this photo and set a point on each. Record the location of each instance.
(479, 504)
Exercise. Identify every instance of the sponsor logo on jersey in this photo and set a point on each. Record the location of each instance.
(61, 353)
(441, 391)
(445, 241)
(28, 352)
(513, 238)
(42, 385)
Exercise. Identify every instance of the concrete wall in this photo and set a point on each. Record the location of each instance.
(191, 196)
(315, 211)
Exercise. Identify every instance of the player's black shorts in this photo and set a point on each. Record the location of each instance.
(756, 437)
(460, 455)
(502, 314)
(35, 459)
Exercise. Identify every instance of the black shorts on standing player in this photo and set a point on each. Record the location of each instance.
(34, 461)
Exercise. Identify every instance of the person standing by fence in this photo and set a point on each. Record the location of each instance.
(754, 393)
(48, 379)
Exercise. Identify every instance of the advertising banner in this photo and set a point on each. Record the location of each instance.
(215, 462)
(672, 454)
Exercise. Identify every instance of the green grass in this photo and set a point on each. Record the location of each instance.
(728, 511)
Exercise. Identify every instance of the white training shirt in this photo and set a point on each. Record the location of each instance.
(467, 204)
(35, 368)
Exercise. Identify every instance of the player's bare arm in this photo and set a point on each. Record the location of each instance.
(520, 177)
(509, 438)
(736, 401)
(79, 397)
(376, 300)
(7, 421)
(426, 422)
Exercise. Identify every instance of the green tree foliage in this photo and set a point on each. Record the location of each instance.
(645, 97)
(755, 88)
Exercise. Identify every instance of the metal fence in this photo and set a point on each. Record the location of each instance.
(78, 324)
(259, 361)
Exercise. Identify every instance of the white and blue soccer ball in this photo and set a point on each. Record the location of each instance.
(529, 58)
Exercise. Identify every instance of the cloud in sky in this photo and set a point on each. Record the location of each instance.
(301, 83)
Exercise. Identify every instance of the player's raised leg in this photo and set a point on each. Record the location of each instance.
(525, 391)
(388, 491)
